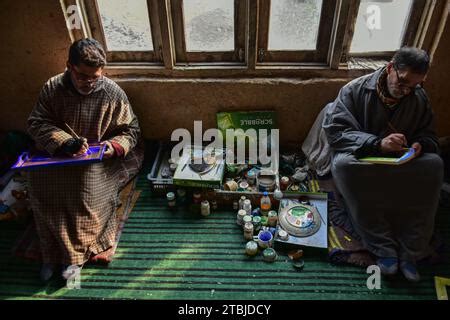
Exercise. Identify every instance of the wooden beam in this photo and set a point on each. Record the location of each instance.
(252, 44)
(353, 8)
(167, 44)
(440, 29)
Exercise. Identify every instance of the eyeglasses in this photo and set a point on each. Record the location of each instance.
(84, 78)
(401, 83)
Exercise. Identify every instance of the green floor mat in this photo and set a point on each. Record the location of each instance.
(175, 255)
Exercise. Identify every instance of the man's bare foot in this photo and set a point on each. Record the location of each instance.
(104, 257)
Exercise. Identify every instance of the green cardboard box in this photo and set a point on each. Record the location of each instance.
(188, 175)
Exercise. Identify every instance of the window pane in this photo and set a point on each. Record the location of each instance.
(294, 24)
(126, 25)
(209, 25)
(380, 25)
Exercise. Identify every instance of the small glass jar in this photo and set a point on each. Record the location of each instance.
(248, 231)
(197, 198)
(240, 217)
(181, 195)
(256, 220)
(283, 235)
(243, 185)
(272, 218)
(247, 206)
(214, 205)
(247, 219)
(241, 202)
(284, 183)
(269, 255)
(251, 248)
(205, 209)
(251, 177)
(171, 201)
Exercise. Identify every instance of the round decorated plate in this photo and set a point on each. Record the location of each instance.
(300, 220)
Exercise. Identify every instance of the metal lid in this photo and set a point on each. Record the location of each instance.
(269, 254)
(283, 235)
(170, 196)
(256, 219)
(242, 213)
(272, 213)
(248, 225)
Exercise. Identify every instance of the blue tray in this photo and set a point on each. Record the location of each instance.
(39, 160)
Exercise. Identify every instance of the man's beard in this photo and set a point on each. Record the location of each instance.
(393, 93)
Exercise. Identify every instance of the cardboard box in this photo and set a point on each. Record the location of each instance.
(189, 174)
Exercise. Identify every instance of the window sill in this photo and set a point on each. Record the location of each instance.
(370, 64)
(238, 70)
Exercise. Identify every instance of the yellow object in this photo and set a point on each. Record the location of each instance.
(441, 290)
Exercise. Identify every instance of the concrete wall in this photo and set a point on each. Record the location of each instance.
(34, 48)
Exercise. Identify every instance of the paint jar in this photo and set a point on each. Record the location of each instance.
(284, 183)
(256, 220)
(256, 212)
(214, 205)
(248, 231)
(235, 205)
(269, 255)
(247, 219)
(204, 209)
(264, 221)
(181, 195)
(251, 177)
(265, 181)
(231, 185)
(171, 201)
(240, 217)
(272, 217)
(251, 248)
(247, 206)
(241, 202)
(283, 235)
(265, 239)
(243, 185)
(197, 198)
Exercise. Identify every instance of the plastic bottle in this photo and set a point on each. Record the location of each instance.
(266, 205)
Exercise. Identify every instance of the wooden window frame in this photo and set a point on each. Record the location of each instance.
(424, 31)
(221, 57)
(319, 55)
(92, 14)
(423, 15)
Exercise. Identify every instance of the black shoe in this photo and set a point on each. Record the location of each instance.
(47, 271)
